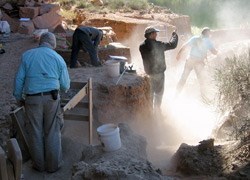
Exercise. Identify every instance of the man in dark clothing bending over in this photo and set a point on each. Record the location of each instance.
(88, 39)
(152, 52)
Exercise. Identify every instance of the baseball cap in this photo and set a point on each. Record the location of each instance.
(151, 29)
(205, 30)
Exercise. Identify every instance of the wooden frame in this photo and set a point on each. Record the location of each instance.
(76, 109)
(18, 118)
(85, 89)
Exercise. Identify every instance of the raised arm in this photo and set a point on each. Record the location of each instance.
(182, 49)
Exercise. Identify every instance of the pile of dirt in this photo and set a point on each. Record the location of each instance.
(128, 162)
(230, 161)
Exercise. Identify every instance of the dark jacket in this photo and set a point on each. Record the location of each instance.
(94, 34)
(152, 52)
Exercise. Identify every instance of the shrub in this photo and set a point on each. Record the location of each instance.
(233, 81)
(138, 4)
(116, 4)
(82, 4)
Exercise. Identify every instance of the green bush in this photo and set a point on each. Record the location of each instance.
(82, 4)
(233, 82)
(66, 2)
(131, 4)
(116, 4)
(137, 4)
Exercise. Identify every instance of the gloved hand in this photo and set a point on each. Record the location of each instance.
(174, 33)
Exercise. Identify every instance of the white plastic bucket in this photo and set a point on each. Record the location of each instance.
(109, 135)
(112, 68)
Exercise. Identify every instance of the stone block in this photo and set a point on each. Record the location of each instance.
(59, 29)
(29, 12)
(14, 23)
(45, 8)
(47, 21)
(26, 27)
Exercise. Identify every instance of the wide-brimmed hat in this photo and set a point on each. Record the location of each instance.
(151, 29)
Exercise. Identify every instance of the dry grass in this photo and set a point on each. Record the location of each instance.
(233, 81)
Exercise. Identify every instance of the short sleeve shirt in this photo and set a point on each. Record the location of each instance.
(199, 46)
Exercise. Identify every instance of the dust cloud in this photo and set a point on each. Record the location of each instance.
(231, 14)
(186, 119)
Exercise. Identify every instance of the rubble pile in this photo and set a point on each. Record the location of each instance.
(230, 160)
(129, 162)
(29, 15)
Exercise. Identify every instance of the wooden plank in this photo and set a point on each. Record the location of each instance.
(78, 110)
(3, 165)
(77, 98)
(10, 170)
(79, 105)
(90, 110)
(75, 117)
(18, 117)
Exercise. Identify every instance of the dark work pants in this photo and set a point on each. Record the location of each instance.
(83, 41)
(157, 89)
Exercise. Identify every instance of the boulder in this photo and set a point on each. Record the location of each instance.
(48, 21)
(14, 23)
(26, 27)
(45, 8)
(28, 12)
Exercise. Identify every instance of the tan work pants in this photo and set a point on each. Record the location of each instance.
(192, 64)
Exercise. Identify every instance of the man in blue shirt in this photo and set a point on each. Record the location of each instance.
(88, 39)
(199, 45)
(41, 74)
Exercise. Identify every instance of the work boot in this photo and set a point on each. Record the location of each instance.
(97, 64)
(78, 65)
(87, 64)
